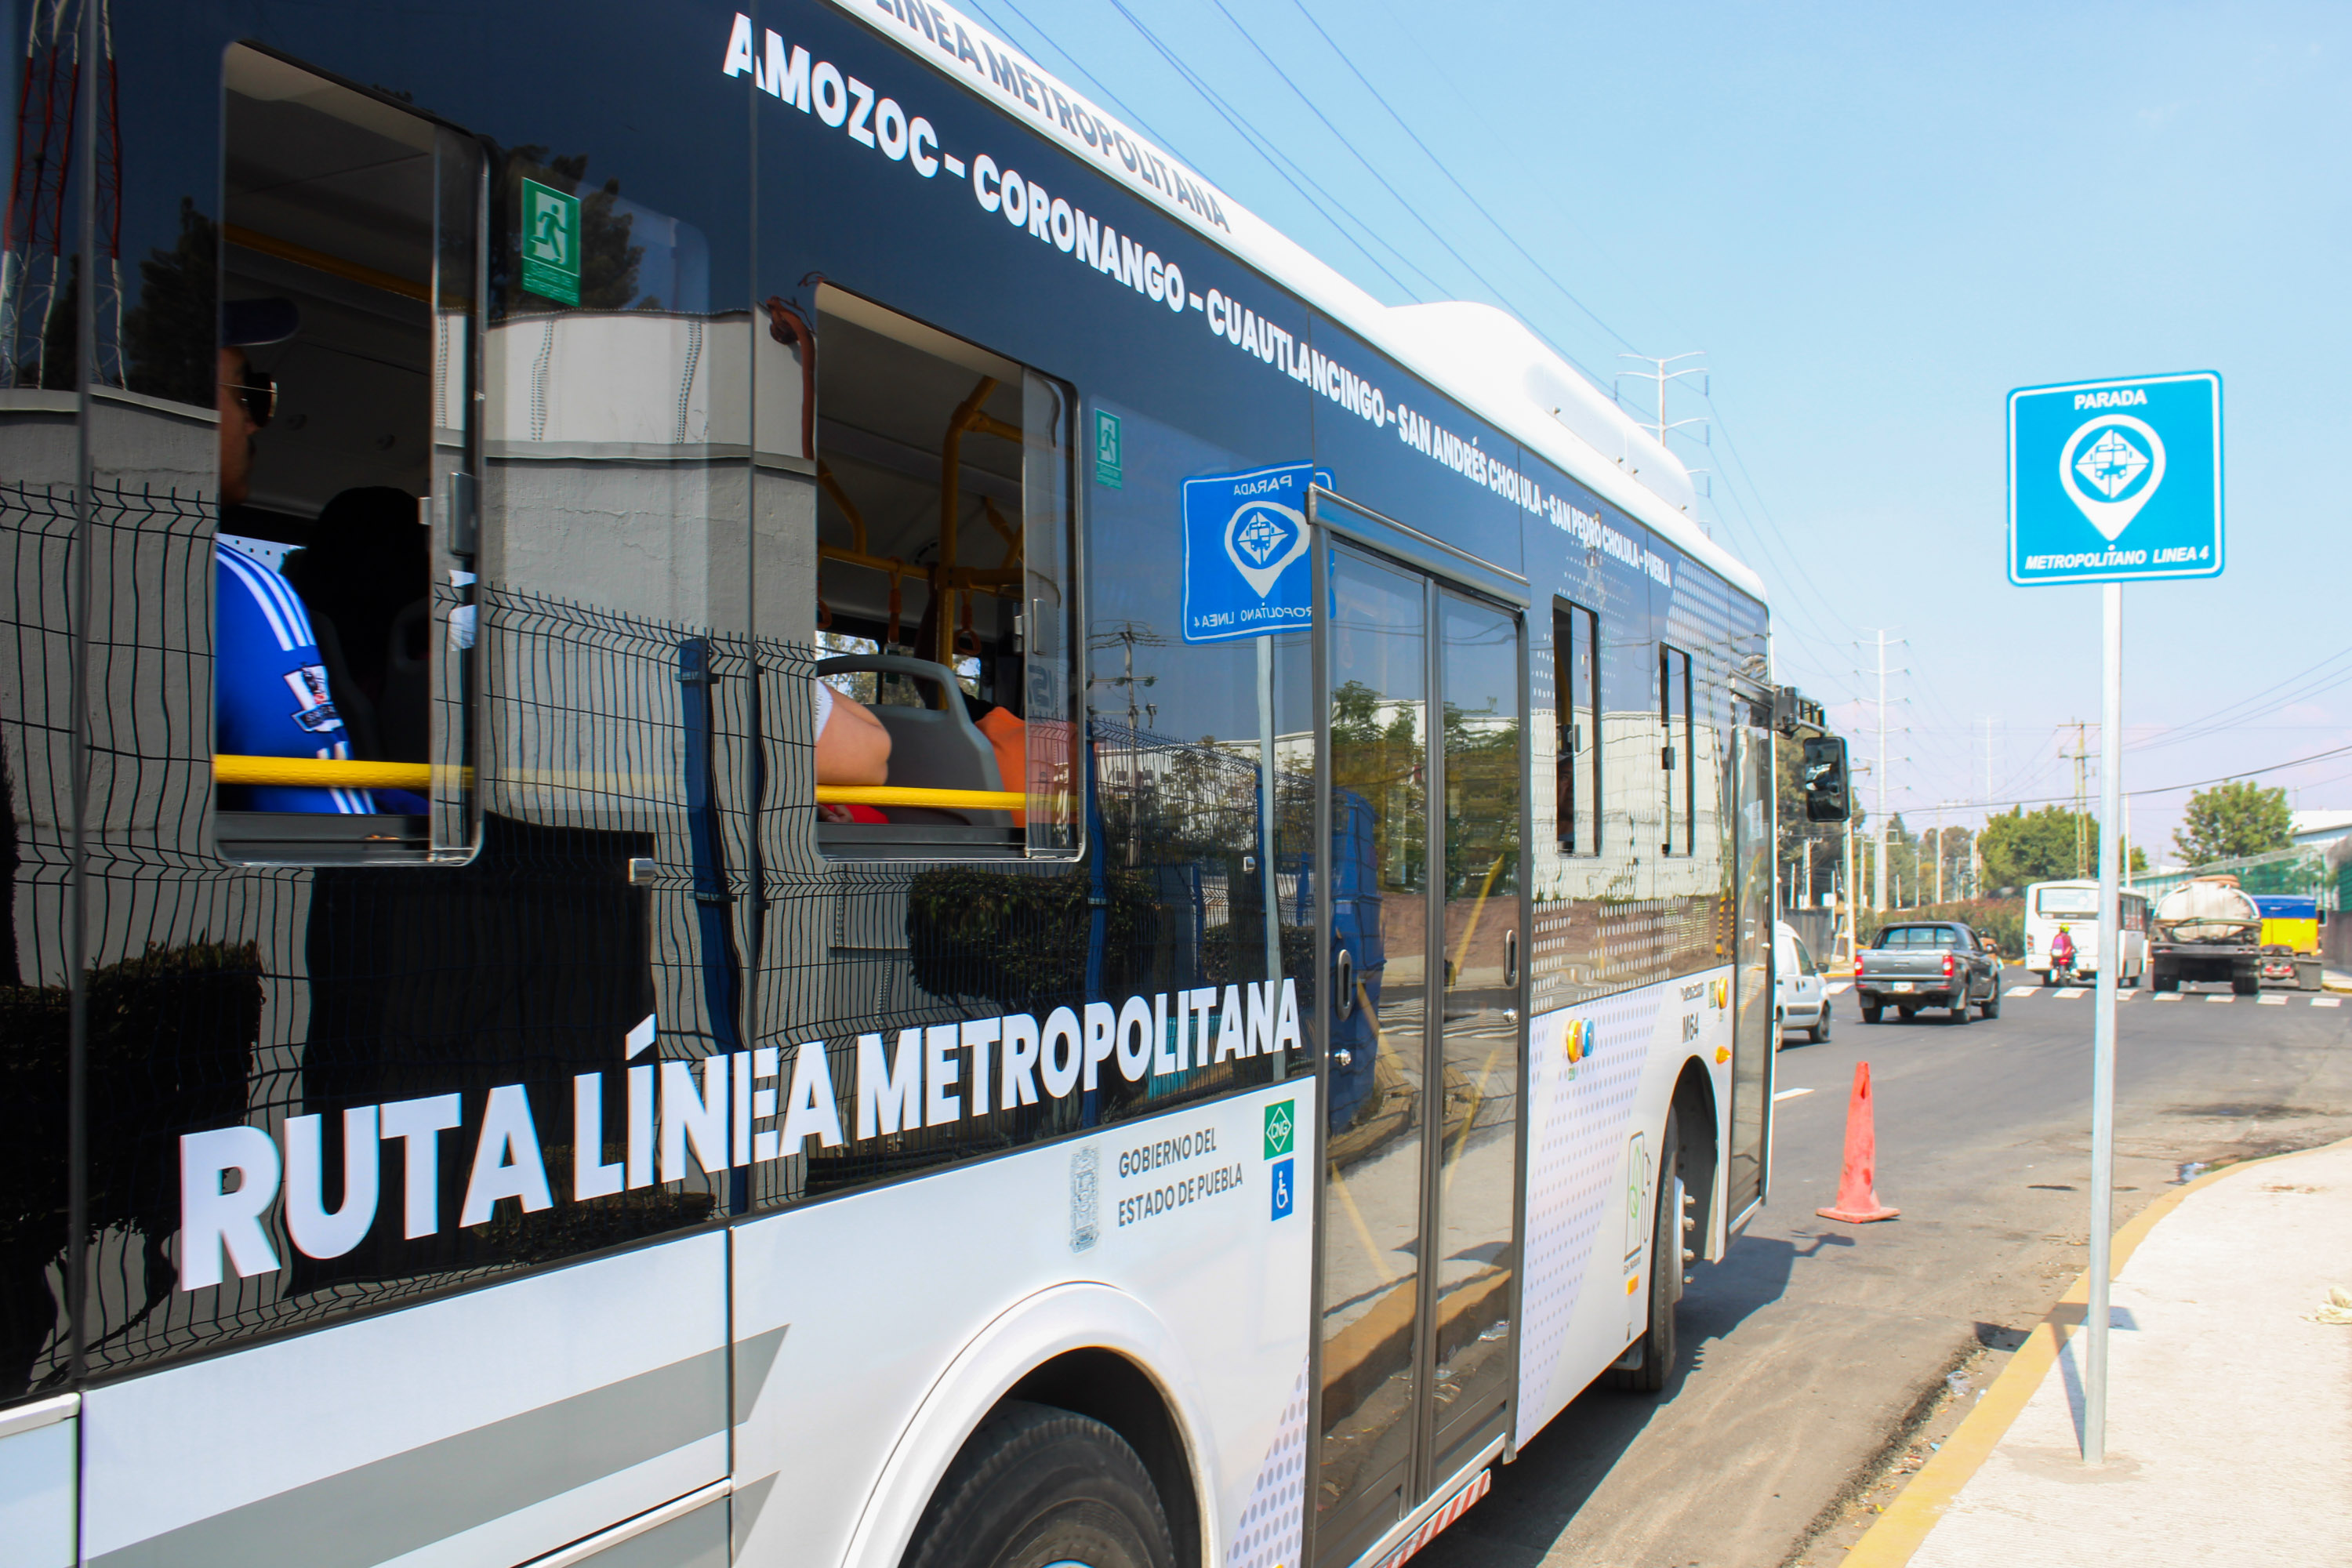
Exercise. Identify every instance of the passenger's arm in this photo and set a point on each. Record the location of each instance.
(853, 748)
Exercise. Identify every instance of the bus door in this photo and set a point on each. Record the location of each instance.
(1422, 753)
(1753, 1037)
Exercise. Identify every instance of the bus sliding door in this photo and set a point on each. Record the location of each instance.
(1421, 754)
(1753, 1034)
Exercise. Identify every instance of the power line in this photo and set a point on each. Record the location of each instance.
(1545, 272)
(1250, 138)
(1412, 210)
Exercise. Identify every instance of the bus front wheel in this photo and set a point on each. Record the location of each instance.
(1037, 1485)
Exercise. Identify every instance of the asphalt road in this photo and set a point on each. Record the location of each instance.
(1814, 1342)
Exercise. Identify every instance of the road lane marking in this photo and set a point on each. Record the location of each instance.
(2174, 996)
(2068, 993)
(2328, 1001)
(1790, 1094)
(2272, 1001)
(2225, 1001)
(1839, 988)
(2021, 990)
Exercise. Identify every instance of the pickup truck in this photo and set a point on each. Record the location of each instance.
(1927, 963)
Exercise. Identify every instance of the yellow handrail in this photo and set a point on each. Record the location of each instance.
(330, 772)
(323, 773)
(950, 799)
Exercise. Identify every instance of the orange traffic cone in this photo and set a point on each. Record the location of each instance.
(1857, 1199)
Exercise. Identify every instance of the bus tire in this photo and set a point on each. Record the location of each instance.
(1649, 1372)
(1038, 1485)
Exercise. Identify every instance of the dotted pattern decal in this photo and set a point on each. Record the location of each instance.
(1581, 1111)
(1271, 1531)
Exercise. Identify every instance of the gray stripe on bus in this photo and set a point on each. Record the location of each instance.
(697, 1540)
(381, 1510)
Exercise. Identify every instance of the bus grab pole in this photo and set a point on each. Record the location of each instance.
(2103, 1024)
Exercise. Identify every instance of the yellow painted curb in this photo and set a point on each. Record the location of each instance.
(1920, 1506)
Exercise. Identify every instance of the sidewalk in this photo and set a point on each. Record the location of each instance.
(2229, 1412)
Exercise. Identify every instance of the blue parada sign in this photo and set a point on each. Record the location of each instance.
(1246, 569)
(2115, 481)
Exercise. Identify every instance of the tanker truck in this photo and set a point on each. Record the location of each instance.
(2206, 929)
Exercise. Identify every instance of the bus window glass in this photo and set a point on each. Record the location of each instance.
(941, 620)
(1577, 763)
(1676, 761)
(332, 361)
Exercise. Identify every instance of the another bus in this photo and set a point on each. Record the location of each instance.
(2075, 905)
(1276, 1028)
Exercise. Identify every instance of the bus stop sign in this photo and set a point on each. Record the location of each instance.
(2115, 481)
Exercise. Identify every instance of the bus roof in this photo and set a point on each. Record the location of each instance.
(1484, 358)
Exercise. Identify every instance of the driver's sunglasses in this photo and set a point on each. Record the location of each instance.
(257, 395)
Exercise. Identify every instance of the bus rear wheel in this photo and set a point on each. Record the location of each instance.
(1037, 1485)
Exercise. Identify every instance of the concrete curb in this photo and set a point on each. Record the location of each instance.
(1920, 1506)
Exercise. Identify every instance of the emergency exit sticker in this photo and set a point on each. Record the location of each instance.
(550, 243)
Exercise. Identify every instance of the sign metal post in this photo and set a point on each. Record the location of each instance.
(2109, 482)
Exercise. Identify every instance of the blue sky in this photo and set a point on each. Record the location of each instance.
(1875, 221)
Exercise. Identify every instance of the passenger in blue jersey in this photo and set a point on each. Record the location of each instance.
(270, 694)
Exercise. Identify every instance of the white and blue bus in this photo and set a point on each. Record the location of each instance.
(1260, 1024)
(2073, 905)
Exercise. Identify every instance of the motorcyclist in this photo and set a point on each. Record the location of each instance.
(2062, 957)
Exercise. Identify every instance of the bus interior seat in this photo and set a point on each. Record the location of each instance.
(937, 747)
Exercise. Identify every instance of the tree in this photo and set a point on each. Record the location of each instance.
(2232, 820)
(171, 334)
(2020, 848)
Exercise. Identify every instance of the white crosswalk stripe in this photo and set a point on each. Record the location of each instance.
(2328, 1001)
(2272, 1001)
(2069, 993)
(2172, 996)
(2022, 991)
(1837, 988)
(2224, 1001)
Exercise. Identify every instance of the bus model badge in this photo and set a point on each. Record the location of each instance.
(1086, 1199)
(1280, 1125)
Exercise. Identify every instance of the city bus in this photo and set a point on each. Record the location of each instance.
(769, 802)
(2074, 904)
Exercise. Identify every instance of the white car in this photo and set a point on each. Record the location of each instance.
(1800, 999)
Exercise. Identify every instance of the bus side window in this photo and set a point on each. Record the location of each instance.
(1576, 663)
(1675, 760)
(347, 263)
(941, 604)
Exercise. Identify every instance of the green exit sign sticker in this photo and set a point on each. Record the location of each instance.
(1107, 452)
(550, 243)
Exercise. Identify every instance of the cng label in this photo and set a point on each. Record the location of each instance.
(1281, 1126)
(550, 243)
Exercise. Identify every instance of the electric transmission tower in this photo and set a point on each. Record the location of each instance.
(38, 277)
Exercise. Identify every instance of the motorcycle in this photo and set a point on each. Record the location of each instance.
(2065, 970)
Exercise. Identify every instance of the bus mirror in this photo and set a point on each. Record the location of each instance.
(1825, 779)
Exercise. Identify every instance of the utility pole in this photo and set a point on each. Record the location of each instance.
(1940, 851)
(1659, 374)
(1878, 885)
(2081, 756)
